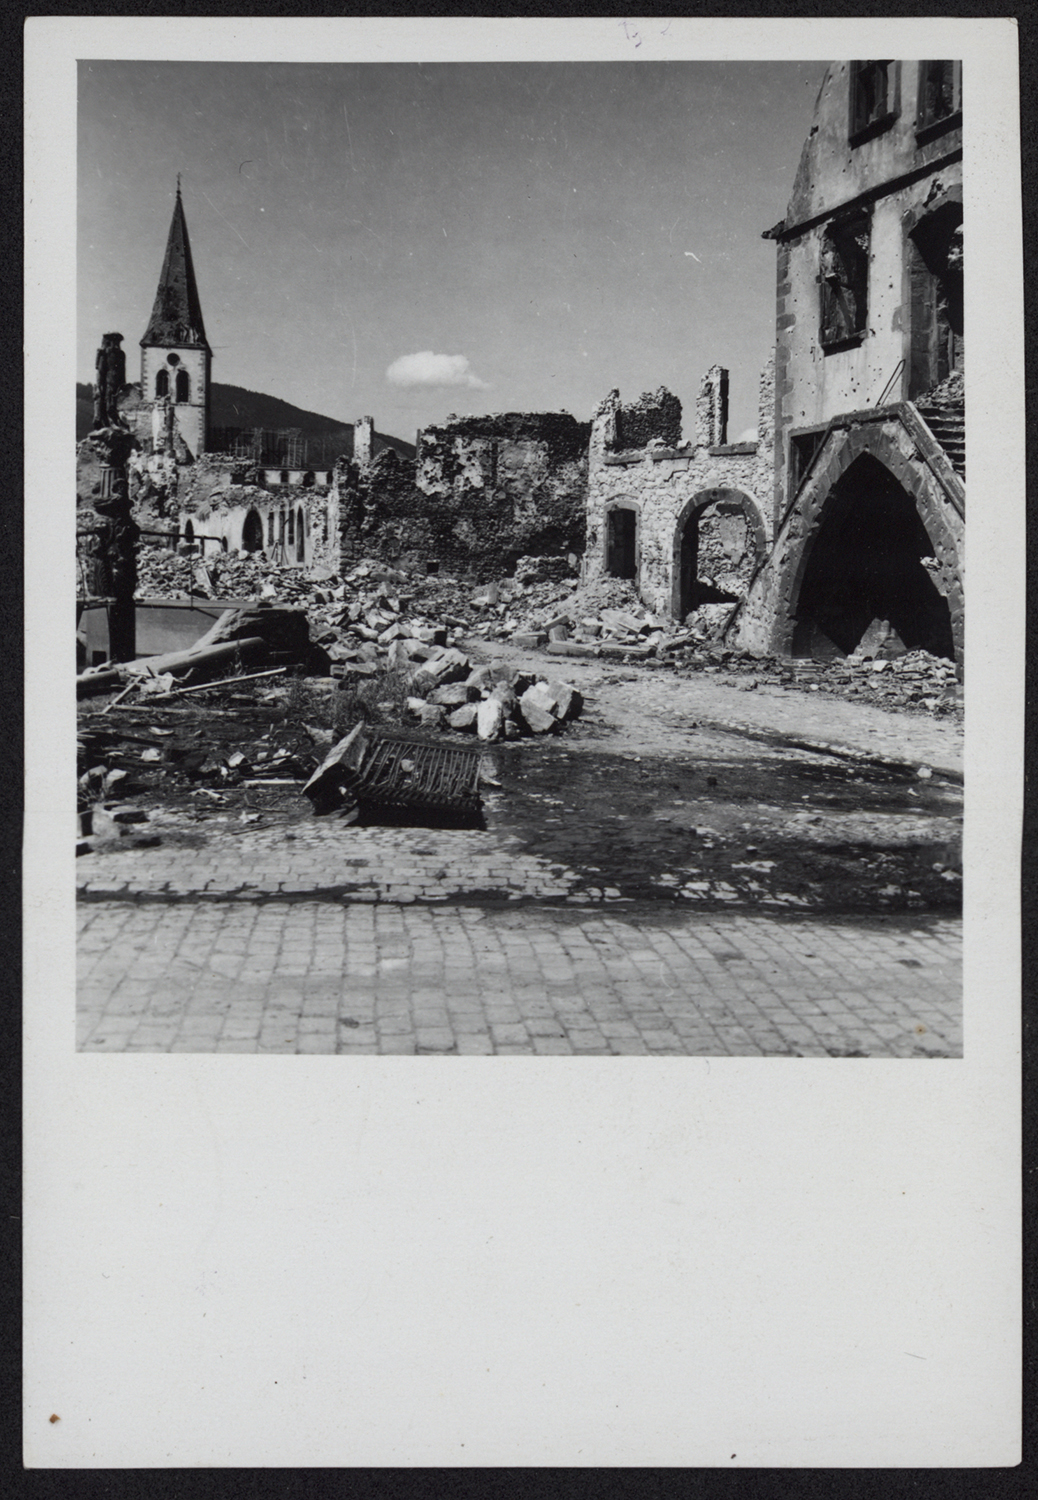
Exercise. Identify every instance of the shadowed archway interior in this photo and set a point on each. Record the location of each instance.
(867, 564)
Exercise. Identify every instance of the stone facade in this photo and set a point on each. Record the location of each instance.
(690, 523)
(869, 494)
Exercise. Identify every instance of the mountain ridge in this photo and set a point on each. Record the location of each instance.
(234, 406)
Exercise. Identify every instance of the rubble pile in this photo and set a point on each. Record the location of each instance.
(915, 680)
(377, 619)
(164, 574)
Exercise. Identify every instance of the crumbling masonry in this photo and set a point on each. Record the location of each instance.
(482, 492)
(687, 523)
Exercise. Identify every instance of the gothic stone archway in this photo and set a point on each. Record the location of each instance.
(740, 532)
(865, 522)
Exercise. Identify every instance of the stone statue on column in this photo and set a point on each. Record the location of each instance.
(110, 365)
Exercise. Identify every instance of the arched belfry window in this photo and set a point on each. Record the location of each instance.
(183, 386)
(162, 384)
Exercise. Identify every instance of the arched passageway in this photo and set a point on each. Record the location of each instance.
(718, 533)
(866, 564)
(252, 533)
(622, 542)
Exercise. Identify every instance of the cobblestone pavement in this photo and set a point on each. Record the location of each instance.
(275, 943)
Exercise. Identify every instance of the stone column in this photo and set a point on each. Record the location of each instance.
(350, 507)
(117, 550)
(363, 441)
(712, 409)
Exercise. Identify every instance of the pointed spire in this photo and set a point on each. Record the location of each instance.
(176, 317)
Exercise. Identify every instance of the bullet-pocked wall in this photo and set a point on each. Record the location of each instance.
(869, 365)
(688, 523)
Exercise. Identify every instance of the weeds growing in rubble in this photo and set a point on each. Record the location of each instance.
(378, 699)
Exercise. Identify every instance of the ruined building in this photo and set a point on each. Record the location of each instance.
(688, 522)
(869, 498)
(481, 493)
(253, 491)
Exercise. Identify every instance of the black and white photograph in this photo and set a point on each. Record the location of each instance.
(519, 558)
(514, 496)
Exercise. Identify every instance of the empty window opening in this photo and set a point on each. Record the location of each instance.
(844, 279)
(291, 527)
(270, 529)
(300, 538)
(161, 384)
(872, 98)
(284, 476)
(621, 543)
(252, 533)
(803, 448)
(183, 383)
(939, 93)
(867, 565)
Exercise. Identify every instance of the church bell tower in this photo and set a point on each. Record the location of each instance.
(175, 354)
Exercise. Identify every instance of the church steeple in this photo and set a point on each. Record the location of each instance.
(175, 354)
(176, 318)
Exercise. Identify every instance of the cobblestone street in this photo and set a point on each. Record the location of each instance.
(313, 977)
(595, 915)
(411, 963)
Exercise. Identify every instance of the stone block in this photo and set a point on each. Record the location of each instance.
(490, 719)
(464, 718)
(453, 694)
(567, 701)
(573, 648)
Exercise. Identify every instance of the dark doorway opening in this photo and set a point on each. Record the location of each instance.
(252, 533)
(865, 565)
(300, 538)
(621, 543)
(936, 268)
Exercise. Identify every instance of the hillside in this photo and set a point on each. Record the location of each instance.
(233, 406)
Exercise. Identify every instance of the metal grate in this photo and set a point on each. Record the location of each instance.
(405, 773)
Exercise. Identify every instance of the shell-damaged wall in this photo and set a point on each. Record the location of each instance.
(687, 522)
(869, 499)
(482, 492)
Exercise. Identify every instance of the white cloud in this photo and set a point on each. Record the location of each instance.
(428, 368)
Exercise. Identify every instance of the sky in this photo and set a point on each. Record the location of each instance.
(408, 241)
